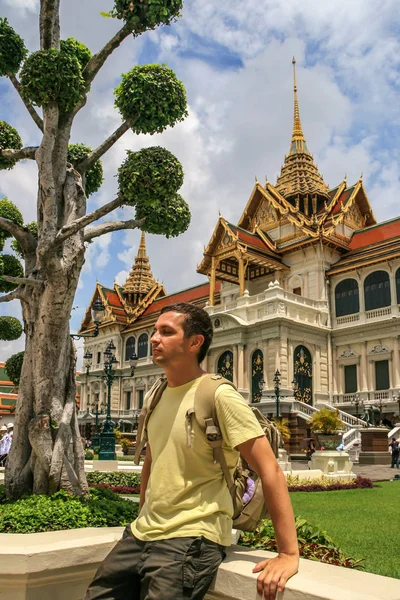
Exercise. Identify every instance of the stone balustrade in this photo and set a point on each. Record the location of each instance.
(59, 566)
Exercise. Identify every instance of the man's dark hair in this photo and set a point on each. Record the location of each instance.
(196, 321)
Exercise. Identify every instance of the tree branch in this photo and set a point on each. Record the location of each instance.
(23, 280)
(28, 105)
(97, 61)
(25, 238)
(93, 232)
(17, 294)
(90, 159)
(49, 24)
(78, 224)
(28, 152)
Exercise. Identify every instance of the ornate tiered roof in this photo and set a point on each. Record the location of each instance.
(300, 182)
(140, 280)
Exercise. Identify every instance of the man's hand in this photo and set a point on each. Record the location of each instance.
(275, 573)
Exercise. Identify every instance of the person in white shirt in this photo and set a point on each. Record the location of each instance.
(9, 437)
(3, 453)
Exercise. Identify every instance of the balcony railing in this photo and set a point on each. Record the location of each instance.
(386, 312)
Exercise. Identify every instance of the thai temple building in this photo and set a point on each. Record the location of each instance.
(303, 291)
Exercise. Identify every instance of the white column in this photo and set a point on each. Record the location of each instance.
(317, 369)
(241, 366)
(396, 363)
(364, 367)
(334, 370)
(235, 364)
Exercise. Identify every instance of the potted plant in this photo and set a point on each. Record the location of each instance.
(126, 444)
(328, 426)
(283, 426)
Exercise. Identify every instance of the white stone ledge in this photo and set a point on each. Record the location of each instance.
(60, 565)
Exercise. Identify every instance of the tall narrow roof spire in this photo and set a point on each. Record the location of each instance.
(299, 180)
(140, 280)
(297, 129)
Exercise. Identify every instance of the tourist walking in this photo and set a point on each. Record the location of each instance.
(394, 445)
(174, 548)
(3, 454)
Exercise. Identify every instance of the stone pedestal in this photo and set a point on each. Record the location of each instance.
(118, 451)
(105, 465)
(283, 460)
(334, 464)
(374, 446)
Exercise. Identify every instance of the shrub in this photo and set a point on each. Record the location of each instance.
(112, 478)
(117, 489)
(322, 484)
(36, 513)
(313, 542)
(326, 421)
(12, 49)
(89, 454)
(9, 138)
(10, 328)
(13, 367)
(94, 175)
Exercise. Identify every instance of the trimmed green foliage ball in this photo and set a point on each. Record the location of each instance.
(75, 48)
(33, 228)
(13, 367)
(8, 210)
(149, 173)
(94, 175)
(169, 216)
(151, 97)
(10, 328)
(9, 138)
(9, 265)
(50, 76)
(12, 49)
(147, 14)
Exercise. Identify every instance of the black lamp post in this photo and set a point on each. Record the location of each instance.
(107, 438)
(98, 311)
(96, 437)
(261, 384)
(277, 383)
(295, 387)
(357, 402)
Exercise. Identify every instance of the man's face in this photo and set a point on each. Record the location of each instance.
(168, 341)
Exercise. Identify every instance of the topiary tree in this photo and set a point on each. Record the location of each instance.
(13, 367)
(47, 453)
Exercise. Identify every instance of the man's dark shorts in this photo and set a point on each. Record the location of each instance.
(173, 569)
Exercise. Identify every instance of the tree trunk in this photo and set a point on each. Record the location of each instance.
(47, 452)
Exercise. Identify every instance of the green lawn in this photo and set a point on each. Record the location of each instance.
(364, 523)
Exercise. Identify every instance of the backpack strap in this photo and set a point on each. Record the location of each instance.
(152, 399)
(206, 417)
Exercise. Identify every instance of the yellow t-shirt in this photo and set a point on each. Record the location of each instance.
(187, 494)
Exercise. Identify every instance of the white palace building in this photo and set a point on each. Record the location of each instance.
(307, 283)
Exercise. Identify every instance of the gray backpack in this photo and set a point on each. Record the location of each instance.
(248, 511)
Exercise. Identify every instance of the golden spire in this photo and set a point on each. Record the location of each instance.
(140, 280)
(300, 182)
(297, 129)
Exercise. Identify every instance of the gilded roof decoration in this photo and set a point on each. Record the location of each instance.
(299, 175)
(140, 280)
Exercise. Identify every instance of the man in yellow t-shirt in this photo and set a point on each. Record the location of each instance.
(174, 548)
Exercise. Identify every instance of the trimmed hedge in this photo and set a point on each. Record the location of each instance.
(114, 478)
(117, 489)
(39, 513)
(326, 485)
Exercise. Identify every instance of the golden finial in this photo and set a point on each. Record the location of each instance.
(297, 129)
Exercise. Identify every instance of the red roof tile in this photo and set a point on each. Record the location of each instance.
(375, 234)
(190, 295)
(344, 196)
(249, 238)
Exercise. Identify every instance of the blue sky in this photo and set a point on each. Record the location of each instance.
(234, 58)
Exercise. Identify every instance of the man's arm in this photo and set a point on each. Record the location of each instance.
(275, 572)
(145, 476)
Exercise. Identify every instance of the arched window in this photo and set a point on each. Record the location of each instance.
(225, 365)
(303, 374)
(257, 371)
(143, 342)
(129, 348)
(347, 299)
(398, 286)
(377, 290)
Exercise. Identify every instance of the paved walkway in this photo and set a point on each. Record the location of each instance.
(374, 472)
